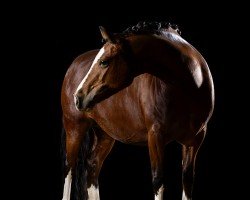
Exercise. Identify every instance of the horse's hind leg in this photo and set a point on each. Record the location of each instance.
(189, 154)
(74, 136)
(102, 145)
(156, 152)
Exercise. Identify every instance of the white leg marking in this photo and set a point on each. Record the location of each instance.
(67, 186)
(93, 193)
(184, 197)
(98, 56)
(159, 195)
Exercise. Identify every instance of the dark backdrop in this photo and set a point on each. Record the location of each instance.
(47, 39)
(126, 172)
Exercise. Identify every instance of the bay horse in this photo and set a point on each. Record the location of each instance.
(145, 86)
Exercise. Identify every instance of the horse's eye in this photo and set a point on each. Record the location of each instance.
(104, 63)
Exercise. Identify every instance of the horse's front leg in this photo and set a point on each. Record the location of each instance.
(102, 145)
(74, 136)
(156, 152)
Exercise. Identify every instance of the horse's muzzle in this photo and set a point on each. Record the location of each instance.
(81, 103)
(78, 102)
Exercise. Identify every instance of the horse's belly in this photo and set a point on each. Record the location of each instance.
(125, 134)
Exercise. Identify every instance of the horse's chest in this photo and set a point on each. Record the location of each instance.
(123, 125)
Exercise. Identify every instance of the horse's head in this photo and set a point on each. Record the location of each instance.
(108, 72)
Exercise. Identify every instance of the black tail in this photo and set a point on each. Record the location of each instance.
(79, 180)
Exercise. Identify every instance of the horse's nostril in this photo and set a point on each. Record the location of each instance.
(76, 101)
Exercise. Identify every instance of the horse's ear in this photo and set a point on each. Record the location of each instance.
(107, 37)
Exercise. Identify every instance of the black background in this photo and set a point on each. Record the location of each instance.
(43, 40)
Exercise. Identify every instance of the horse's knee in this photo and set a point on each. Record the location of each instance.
(92, 168)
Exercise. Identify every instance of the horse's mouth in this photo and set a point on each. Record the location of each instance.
(84, 104)
(90, 100)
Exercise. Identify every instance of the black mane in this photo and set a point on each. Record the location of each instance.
(149, 28)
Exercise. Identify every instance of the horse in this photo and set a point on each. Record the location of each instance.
(145, 86)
